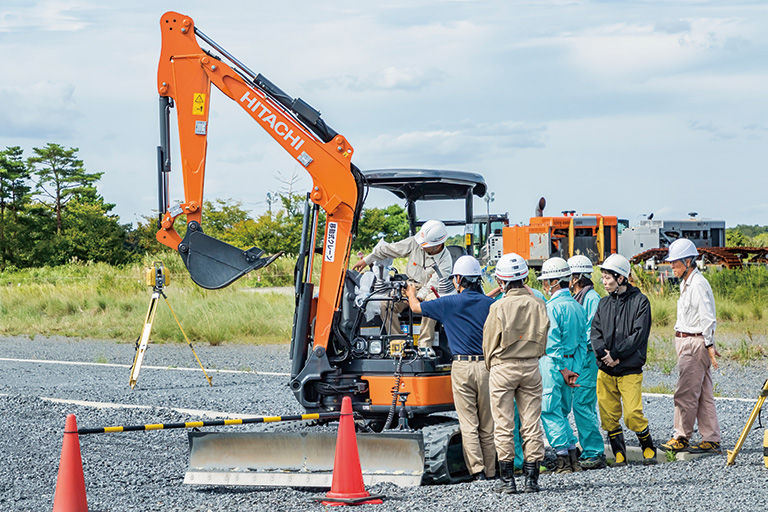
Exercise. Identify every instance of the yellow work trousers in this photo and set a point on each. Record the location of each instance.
(612, 393)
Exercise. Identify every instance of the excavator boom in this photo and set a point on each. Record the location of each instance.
(185, 75)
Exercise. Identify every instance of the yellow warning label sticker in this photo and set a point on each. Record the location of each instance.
(198, 104)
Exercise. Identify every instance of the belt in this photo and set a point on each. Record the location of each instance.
(679, 334)
(468, 358)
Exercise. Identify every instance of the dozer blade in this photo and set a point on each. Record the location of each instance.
(214, 264)
(299, 459)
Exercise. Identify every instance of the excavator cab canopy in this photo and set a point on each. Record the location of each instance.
(415, 185)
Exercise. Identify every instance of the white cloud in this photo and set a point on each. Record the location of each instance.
(391, 78)
(48, 15)
(466, 143)
(639, 50)
(40, 110)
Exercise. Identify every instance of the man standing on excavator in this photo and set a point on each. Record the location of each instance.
(429, 267)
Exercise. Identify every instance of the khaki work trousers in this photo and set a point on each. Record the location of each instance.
(694, 395)
(469, 380)
(391, 319)
(518, 381)
(612, 393)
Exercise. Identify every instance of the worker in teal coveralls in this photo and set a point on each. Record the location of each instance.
(585, 396)
(566, 350)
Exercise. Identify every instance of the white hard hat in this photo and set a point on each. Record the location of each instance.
(682, 248)
(580, 264)
(467, 266)
(617, 263)
(555, 268)
(432, 233)
(511, 267)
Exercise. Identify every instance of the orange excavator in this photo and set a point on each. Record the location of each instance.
(335, 349)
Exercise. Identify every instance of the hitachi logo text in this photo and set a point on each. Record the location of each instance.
(267, 117)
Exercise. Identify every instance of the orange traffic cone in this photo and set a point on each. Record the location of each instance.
(347, 487)
(70, 485)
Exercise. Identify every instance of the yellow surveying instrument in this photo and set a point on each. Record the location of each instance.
(743, 437)
(158, 280)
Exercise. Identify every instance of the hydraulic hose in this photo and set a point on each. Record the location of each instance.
(395, 389)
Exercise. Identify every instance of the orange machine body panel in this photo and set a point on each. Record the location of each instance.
(518, 238)
(424, 390)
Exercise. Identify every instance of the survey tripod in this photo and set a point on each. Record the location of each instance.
(158, 280)
(743, 437)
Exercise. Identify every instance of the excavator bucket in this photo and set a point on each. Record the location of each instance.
(214, 264)
(300, 459)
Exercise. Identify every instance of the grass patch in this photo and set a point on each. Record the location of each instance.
(662, 389)
(99, 301)
(745, 350)
(104, 302)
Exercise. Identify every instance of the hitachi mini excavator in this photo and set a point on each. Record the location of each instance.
(336, 349)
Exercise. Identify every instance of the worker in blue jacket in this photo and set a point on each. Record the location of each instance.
(566, 350)
(585, 395)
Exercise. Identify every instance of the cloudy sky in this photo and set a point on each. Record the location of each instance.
(618, 107)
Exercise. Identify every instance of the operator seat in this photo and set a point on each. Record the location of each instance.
(457, 251)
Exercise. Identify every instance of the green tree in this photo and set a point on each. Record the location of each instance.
(60, 177)
(34, 239)
(735, 237)
(390, 223)
(221, 218)
(14, 193)
(93, 233)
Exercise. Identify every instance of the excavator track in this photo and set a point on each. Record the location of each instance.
(443, 456)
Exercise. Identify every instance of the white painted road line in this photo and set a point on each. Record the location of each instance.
(113, 365)
(724, 398)
(112, 405)
(276, 374)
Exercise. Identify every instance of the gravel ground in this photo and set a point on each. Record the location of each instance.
(144, 470)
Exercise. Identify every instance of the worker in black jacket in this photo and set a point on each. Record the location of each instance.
(619, 338)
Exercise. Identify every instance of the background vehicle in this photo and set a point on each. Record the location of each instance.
(591, 234)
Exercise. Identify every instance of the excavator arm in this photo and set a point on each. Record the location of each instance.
(184, 78)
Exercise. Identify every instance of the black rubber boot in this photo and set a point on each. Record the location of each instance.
(506, 482)
(563, 464)
(531, 472)
(479, 476)
(646, 443)
(619, 447)
(573, 456)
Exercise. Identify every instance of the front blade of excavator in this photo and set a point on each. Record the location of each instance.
(214, 264)
(300, 459)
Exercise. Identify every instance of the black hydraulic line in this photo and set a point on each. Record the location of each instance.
(163, 158)
(395, 389)
(212, 423)
(299, 340)
(301, 109)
